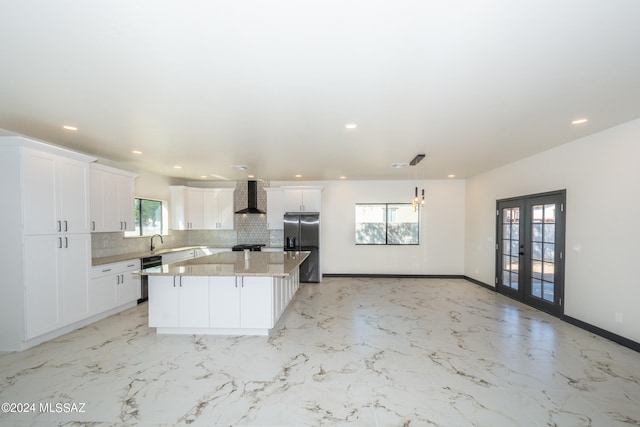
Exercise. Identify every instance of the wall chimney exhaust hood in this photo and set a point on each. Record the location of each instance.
(252, 200)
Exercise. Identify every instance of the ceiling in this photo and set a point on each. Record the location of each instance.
(271, 84)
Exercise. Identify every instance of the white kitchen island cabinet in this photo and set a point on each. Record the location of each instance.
(223, 294)
(179, 301)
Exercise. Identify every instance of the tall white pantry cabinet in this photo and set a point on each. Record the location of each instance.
(46, 242)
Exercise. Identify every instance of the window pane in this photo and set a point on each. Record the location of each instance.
(536, 232)
(536, 251)
(550, 233)
(370, 224)
(536, 288)
(548, 291)
(150, 217)
(514, 281)
(402, 225)
(506, 231)
(136, 207)
(514, 247)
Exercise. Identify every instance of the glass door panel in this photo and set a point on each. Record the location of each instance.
(509, 260)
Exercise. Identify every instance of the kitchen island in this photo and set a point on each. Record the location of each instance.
(229, 293)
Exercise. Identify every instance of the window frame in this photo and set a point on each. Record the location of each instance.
(386, 224)
(137, 211)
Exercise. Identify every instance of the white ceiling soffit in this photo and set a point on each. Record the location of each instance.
(271, 85)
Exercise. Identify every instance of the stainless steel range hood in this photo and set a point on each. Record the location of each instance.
(252, 200)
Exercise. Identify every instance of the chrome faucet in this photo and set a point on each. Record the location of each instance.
(161, 241)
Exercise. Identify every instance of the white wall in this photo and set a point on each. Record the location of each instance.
(441, 249)
(601, 174)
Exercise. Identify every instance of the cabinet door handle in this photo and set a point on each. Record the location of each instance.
(107, 270)
(118, 279)
(131, 265)
(174, 281)
(180, 281)
(125, 225)
(66, 226)
(59, 225)
(66, 242)
(59, 242)
(236, 284)
(122, 281)
(93, 226)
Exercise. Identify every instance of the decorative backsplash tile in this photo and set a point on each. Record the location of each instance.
(252, 228)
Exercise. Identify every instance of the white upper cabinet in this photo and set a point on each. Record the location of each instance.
(275, 208)
(195, 208)
(302, 199)
(201, 208)
(56, 193)
(112, 199)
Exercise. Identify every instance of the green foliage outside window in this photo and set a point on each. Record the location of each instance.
(148, 215)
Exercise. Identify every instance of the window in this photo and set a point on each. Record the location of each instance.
(387, 224)
(148, 215)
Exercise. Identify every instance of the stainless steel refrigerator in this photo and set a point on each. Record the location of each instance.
(302, 233)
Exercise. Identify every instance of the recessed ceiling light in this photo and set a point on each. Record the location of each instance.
(177, 167)
(298, 176)
(579, 121)
(136, 152)
(251, 176)
(451, 175)
(343, 177)
(350, 126)
(203, 176)
(70, 128)
(399, 165)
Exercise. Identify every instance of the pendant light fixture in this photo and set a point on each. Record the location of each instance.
(417, 201)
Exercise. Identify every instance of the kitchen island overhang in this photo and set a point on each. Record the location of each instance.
(230, 293)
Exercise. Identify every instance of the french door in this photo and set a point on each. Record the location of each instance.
(530, 250)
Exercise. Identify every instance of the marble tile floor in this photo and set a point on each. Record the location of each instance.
(347, 352)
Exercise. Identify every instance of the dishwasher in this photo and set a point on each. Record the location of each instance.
(147, 262)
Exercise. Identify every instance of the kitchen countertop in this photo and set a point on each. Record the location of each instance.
(270, 264)
(136, 255)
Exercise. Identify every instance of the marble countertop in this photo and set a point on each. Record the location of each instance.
(126, 257)
(271, 264)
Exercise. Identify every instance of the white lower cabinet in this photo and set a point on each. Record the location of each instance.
(241, 302)
(179, 301)
(113, 285)
(224, 302)
(256, 302)
(193, 301)
(56, 285)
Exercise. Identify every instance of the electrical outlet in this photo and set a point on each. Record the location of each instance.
(618, 317)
